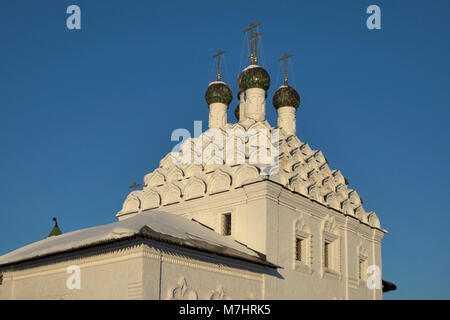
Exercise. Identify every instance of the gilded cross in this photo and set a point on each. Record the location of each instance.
(133, 186)
(252, 38)
(284, 58)
(254, 47)
(251, 27)
(219, 53)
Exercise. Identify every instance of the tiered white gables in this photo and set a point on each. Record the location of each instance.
(288, 229)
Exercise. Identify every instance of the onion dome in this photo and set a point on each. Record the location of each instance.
(236, 112)
(218, 91)
(253, 76)
(286, 96)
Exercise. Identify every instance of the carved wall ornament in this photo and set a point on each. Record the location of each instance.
(218, 294)
(183, 292)
(330, 224)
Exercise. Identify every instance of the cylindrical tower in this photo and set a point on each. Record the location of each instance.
(286, 100)
(218, 96)
(253, 83)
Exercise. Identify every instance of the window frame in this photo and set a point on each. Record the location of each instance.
(226, 227)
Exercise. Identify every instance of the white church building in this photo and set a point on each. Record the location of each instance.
(244, 211)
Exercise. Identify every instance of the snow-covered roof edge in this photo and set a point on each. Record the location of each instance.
(159, 226)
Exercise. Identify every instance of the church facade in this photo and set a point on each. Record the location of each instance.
(244, 211)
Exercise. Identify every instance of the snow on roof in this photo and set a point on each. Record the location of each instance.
(155, 225)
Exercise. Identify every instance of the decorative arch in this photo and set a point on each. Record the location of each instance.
(302, 241)
(331, 252)
(341, 190)
(220, 181)
(373, 220)
(300, 186)
(167, 161)
(354, 197)
(328, 184)
(362, 259)
(313, 192)
(306, 149)
(245, 174)
(320, 158)
(193, 169)
(339, 178)
(330, 225)
(156, 178)
(360, 213)
(347, 207)
(175, 174)
(332, 200)
(171, 195)
(150, 199)
(195, 188)
(362, 251)
(132, 203)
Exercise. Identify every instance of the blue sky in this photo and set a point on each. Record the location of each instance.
(85, 113)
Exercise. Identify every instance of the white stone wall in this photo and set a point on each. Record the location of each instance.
(140, 272)
(267, 217)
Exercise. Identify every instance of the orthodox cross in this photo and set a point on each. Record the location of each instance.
(252, 38)
(133, 186)
(254, 46)
(219, 53)
(284, 58)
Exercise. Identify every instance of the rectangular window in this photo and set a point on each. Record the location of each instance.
(327, 255)
(226, 224)
(298, 249)
(1, 279)
(361, 268)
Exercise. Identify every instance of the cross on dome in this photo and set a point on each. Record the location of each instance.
(284, 59)
(253, 41)
(217, 55)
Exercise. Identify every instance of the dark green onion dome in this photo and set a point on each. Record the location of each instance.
(218, 91)
(236, 112)
(55, 231)
(286, 96)
(253, 77)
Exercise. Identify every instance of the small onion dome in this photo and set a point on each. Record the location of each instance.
(218, 91)
(286, 96)
(236, 112)
(253, 77)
